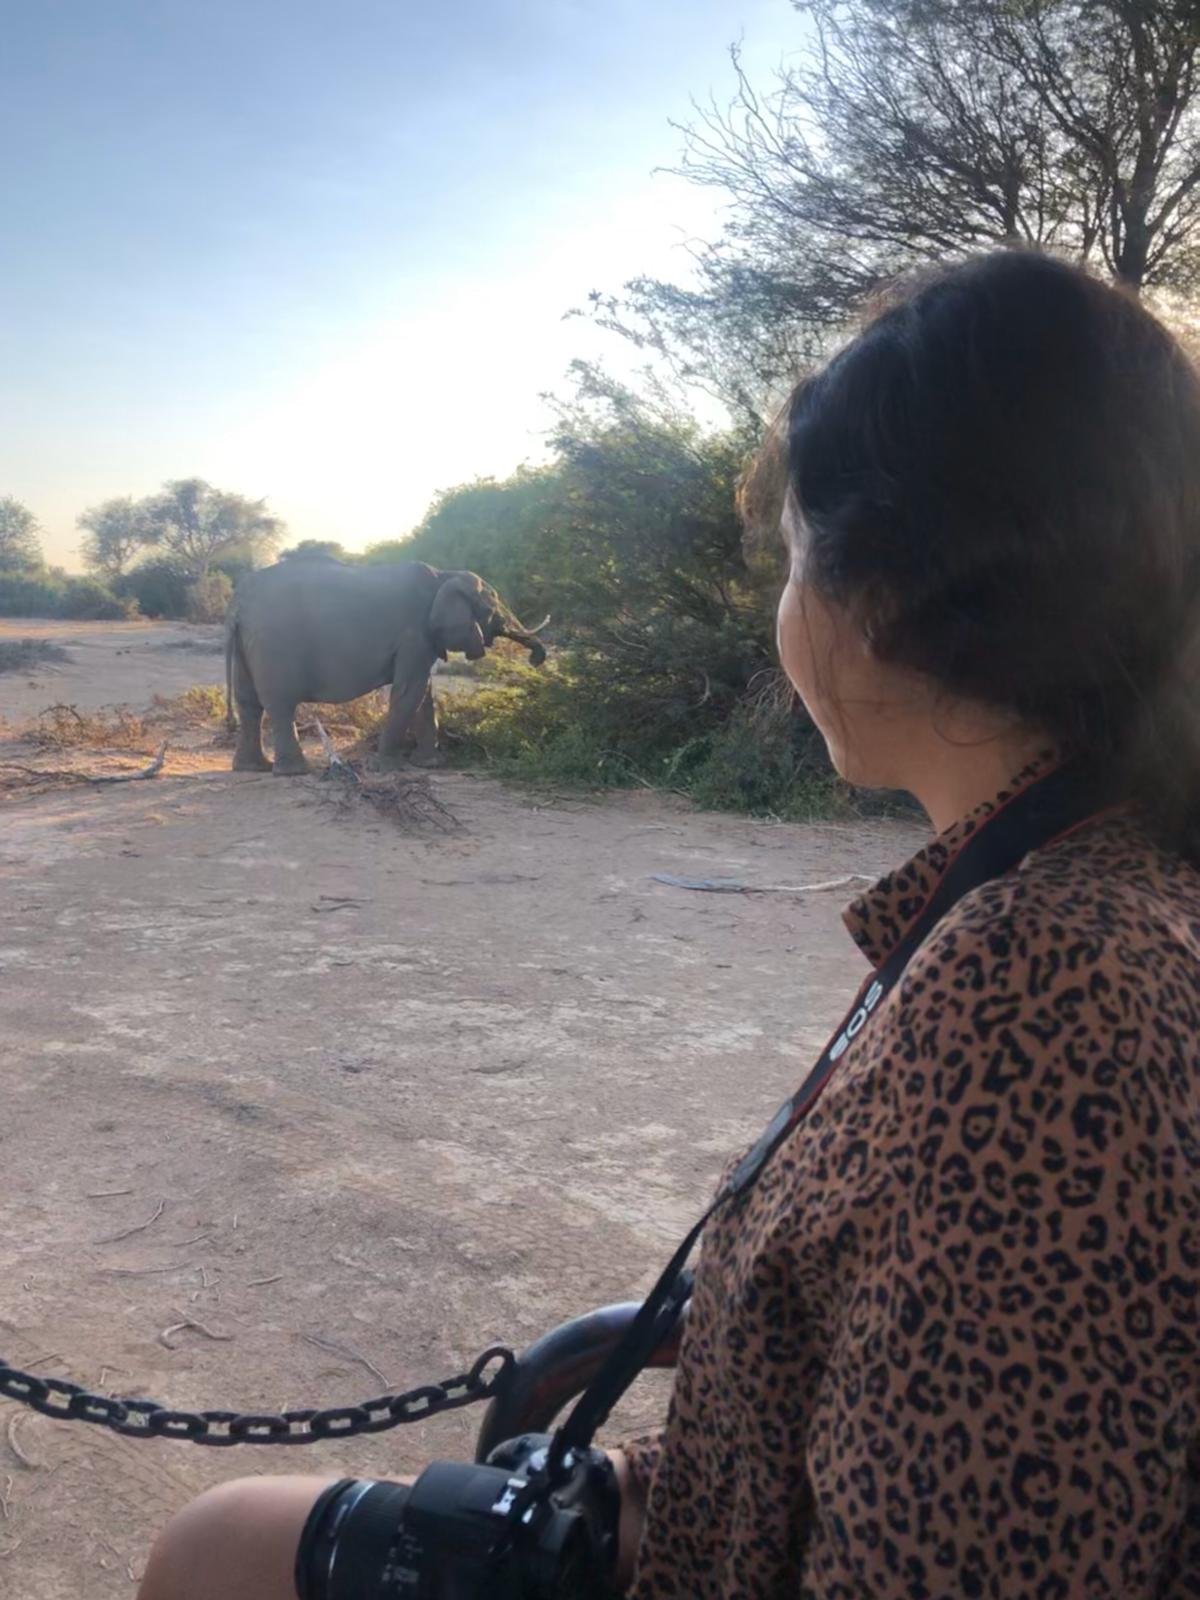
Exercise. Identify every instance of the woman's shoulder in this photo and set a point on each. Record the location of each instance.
(1105, 896)
(1090, 952)
(1062, 999)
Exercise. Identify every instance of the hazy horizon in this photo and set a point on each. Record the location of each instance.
(327, 262)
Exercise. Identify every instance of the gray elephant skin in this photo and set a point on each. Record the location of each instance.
(323, 630)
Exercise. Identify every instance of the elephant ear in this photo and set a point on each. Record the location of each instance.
(452, 621)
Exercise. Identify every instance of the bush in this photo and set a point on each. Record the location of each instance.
(766, 759)
(27, 655)
(570, 724)
(49, 592)
(200, 704)
(29, 594)
(159, 587)
(86, 599)
(207, 599)
(65, 727)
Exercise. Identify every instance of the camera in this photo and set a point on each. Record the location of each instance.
(459, 1533)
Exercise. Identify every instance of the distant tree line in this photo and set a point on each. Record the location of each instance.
(176, 553)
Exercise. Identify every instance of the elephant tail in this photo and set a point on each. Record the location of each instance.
(231, 644)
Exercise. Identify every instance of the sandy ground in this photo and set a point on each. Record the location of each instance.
(340, 1086)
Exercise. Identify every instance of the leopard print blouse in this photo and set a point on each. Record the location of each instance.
(950, 1345)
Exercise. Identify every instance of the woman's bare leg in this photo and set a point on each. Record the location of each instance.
(235, 1542)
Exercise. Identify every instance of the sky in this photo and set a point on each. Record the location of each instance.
(322, 252)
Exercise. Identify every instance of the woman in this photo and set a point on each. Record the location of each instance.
(950, 1344)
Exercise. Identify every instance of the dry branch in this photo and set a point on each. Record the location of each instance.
(186, 1321)
(733, 886)
(139, 1227)
(347, 1354)
(37, 780)
(405, 799)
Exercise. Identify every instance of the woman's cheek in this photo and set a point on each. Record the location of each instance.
(807, 641)
(791, 640)
(806, 638)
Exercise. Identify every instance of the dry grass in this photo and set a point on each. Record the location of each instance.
(204, 647)
(201, 704)
(26, 655)
(64, 727)
(360, 717)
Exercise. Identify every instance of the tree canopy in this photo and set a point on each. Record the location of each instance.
(114, 533)
(20, 536)
(914, 130)
(196, 525)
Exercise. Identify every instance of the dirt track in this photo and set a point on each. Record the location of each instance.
(402, 1095)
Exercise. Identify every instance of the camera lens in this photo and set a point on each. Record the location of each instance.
(348, 1539)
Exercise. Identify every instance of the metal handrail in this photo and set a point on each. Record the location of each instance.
(559, 1366)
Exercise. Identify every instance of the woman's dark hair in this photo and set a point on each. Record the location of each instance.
(1000, 478)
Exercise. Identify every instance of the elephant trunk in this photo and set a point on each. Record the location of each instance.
(537, 650)
(506, 626)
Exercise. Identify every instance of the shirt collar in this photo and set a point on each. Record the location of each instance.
(878, 919)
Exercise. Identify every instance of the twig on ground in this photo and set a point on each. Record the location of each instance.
(114, 1238)
(732, 886)
(11, 1435)
(200, 1327)
(145, 1272)
(48, 777)
(337, 767)
(152, 771)
(346, 1352)
(257, 1283)
(186, 1321)
(5, 1508)
(105, 1194)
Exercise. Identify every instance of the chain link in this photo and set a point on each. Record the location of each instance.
(146, 1419)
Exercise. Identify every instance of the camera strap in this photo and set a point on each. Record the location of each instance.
(1034, 817)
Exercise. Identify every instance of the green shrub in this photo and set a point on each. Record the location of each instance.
(87, 600)
(570, 724)
(50, 592)
(25, 593)
(207, 599)
(159, 586)
(769, 763)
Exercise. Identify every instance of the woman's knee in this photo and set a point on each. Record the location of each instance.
(237, 1541)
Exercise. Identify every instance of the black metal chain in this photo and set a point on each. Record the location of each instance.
(146, 1419)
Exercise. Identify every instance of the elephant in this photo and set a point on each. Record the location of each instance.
(325, 630)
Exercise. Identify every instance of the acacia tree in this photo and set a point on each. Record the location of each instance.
(197, 525)
(114, 532)
(912, 130)
(20, 542)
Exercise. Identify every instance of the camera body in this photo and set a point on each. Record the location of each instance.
(451, 1535)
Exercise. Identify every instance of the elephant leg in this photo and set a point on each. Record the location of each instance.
(289, 758)
(405, 704)
(249, 755)
(424, 728)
